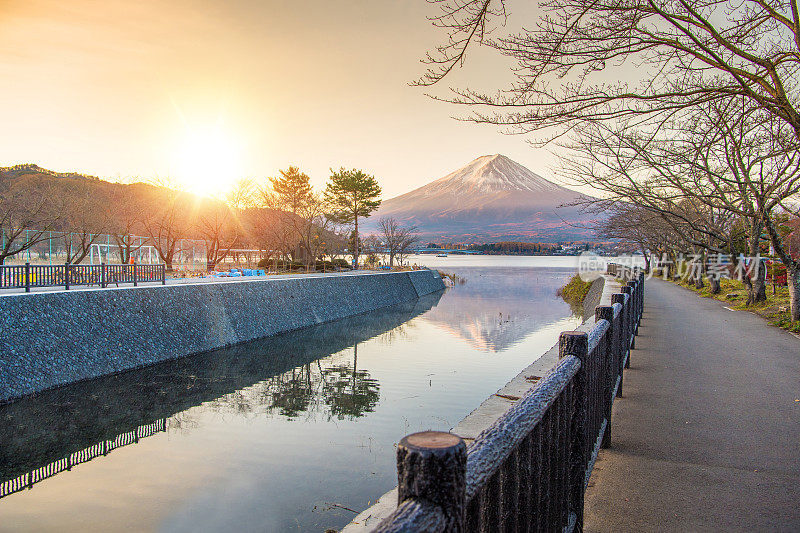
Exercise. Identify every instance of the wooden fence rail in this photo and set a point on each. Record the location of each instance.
(27, 275)
(529, 470)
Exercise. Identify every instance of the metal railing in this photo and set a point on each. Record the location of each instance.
(529, 470)
(27, 480)
(27, 275)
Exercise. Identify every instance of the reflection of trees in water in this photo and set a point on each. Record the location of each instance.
(349, 392)
(294, 392)
(400, 332)
(183, 422)
(327, 387)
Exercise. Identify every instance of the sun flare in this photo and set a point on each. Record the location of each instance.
(208, 161)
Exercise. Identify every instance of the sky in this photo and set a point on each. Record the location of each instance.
(204, 93)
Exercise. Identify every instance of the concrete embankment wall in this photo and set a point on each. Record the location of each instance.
(54, 338)
(593, 298)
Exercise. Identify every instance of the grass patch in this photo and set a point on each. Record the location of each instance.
(574, 293)
(452, 277)
(775, 310)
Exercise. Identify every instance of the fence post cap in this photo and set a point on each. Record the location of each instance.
(432, 465)
(573, 343)
(431, 440)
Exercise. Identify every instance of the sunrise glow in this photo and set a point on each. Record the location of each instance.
(208, 161)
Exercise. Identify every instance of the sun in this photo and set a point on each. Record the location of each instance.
(208, 161)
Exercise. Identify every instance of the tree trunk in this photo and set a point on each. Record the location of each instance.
(793, 279)
(756, 283)
(698, 279)
(355, 244)
(713, 281)
(757, 286)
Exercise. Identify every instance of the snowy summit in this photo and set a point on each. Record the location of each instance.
(491, 198)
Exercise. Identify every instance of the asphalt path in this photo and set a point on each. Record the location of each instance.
(707, 435)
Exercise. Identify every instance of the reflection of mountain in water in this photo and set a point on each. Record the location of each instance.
(47, 433)
(498, 307)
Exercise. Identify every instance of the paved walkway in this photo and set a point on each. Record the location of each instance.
(707, 435)
(190, 281)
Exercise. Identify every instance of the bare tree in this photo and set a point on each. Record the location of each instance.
(686, 53)
(219, 227)
(27, 215)
(371, 247)
(243, 194)
(397, 239)
(259, 230)
(168, 222)
(83, 205)
(126, 213)
(730, 166)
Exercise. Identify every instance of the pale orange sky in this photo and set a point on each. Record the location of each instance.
(240, 89)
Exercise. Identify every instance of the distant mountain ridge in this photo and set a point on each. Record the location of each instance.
(32, 168)
(491, 198)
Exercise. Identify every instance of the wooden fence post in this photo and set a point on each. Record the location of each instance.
(135, 281)
(66, 276)
(630, 341)
(576, 343)
(641, 295)
(619, 298)
(27, 277)
(103, 275)
(163, 274)
(634, 285)
(432, 465)
(604, 312)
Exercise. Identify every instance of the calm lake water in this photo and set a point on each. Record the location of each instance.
(283, 434)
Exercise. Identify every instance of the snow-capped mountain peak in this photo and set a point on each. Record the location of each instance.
(490, 173)
(490, 198)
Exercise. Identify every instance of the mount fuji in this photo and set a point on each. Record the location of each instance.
(490, 199)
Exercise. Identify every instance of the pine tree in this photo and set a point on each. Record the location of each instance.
(351, 194)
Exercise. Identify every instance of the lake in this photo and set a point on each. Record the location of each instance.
(290, 433)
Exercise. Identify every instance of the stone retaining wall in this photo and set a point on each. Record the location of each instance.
(55, 338)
